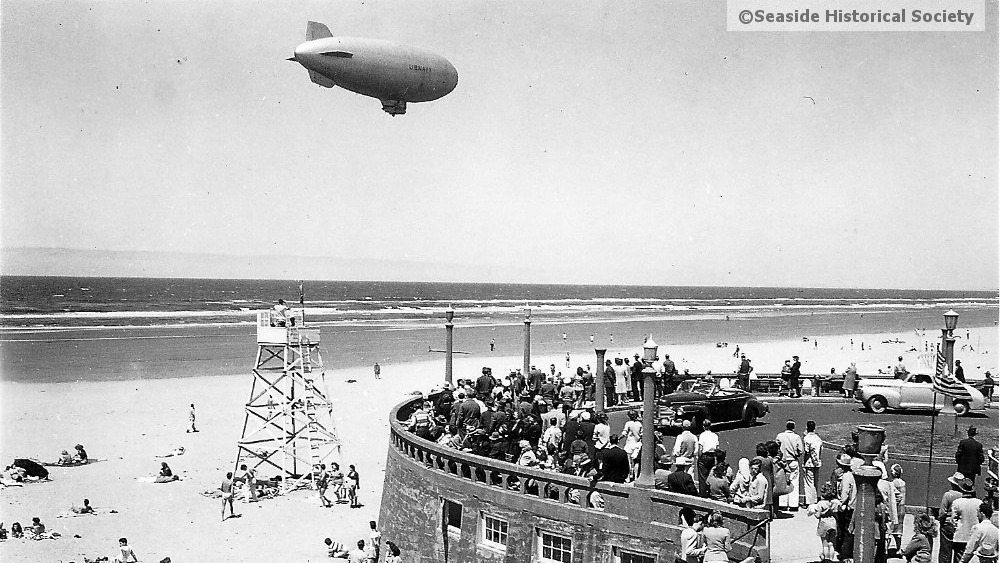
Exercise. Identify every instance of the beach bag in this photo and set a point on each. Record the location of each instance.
(782, 480)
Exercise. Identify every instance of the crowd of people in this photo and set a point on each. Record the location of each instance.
(551, 423)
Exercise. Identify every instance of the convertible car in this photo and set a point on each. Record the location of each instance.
(696, 400)
(916, 392)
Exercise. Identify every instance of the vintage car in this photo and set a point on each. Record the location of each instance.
(916, 392)
(698, 399)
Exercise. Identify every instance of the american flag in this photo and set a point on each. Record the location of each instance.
(946, 384)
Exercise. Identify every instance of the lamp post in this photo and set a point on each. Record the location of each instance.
(599, 380)
(870, 439)
(449, 328)
(645, 478)
(527, 340)
(948, 339)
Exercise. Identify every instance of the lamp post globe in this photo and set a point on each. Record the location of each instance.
(951, 320)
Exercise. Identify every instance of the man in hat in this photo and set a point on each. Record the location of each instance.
(743, 373)
(969, 456)
(609, 384)
(959, 371)
(848, 495)
(613, 462)
(662, 472)
(964, 511)
(794, 386)
(680, 481)
(636, 373)
(485, 384)
(945, 519)
(535, 378)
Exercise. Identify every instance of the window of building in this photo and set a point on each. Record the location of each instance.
(552, 547)
(494, 532)
(453, 516)
(626, 556)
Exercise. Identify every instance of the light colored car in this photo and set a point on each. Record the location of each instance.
(916, 392)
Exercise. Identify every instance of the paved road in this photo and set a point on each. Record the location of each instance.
(740, 442)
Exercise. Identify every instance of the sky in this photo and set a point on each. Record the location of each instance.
(595, 142)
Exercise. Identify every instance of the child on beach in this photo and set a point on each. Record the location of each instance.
(825, 510)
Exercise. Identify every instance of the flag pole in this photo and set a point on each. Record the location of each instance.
(302, 301)
(930, 455)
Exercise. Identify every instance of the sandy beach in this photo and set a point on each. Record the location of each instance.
(128, 422)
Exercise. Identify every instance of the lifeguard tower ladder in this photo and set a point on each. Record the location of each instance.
(289, 418)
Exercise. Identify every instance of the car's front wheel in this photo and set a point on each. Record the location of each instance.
(877, 404)
(961, 408)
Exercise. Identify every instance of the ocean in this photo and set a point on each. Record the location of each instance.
(75, 329)
(33, 302)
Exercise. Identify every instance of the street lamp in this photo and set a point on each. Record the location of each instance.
(527, 340)
(948, 338)
(951, 320)
(449, 328)
(646, 478)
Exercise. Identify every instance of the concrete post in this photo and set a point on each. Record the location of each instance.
(527, 341)
(866, 533)
(599, 380)
(865, 529)
(645, 478)
(449, 328)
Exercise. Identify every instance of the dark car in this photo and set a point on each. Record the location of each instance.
(698, 399)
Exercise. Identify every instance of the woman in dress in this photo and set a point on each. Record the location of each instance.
(717, 540)
(633, 439)
(896, 472)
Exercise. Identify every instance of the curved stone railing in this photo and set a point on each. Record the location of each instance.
(749, 527)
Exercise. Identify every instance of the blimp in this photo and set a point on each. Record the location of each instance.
(394, 74)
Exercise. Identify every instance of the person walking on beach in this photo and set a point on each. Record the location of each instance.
(493, 344)
(378, 371)
(322, 479)
(353, 483)
(191, 420)
(227, 495)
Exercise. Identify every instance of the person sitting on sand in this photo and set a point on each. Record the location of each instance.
(16, 531)
(36, 528)
(15, 473)
(65, 458)
(166, 475)
(85, 509)
(335, 549)
(3, 532)
(125, 553)
(81, 454)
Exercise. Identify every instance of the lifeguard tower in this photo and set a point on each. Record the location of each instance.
(289, 418)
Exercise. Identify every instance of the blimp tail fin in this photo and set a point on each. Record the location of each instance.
(316, 30)
(320, 79)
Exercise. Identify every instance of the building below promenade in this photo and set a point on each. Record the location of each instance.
(444, 505)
